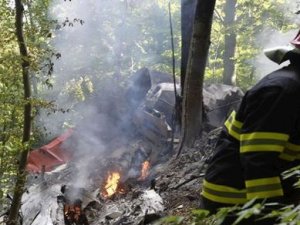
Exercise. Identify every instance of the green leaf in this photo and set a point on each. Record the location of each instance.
(170, 220)
(247, 213)
(200, 213)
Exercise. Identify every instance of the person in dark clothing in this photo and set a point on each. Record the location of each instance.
(259, 142)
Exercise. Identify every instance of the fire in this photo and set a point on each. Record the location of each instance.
(73, 214)
(112, 184)
(145, 170)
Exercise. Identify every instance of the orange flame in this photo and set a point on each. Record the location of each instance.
(145, 170)
(72, 212)
(112, 184)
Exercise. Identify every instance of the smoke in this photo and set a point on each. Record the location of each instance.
(101, 43)
(270, 38)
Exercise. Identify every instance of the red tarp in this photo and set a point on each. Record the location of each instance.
(50, 155)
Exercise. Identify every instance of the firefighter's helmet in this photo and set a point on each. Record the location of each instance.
(279, 54)
(296, 41)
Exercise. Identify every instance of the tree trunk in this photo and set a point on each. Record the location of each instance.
(187, 18)
(21, 178)
(230, 42)
(192, 98)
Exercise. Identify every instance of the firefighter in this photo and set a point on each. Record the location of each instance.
(259, 141)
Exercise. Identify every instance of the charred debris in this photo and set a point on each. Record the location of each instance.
(129, 175)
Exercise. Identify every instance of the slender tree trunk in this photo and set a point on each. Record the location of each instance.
(192, 98)
(3, 164)
(230, 42)
(33, 77)
(187, 18)
(21, 178)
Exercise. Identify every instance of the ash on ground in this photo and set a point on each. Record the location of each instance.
(179, 181)
(174, 190)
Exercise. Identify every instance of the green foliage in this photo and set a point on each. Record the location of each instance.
(255, 210)
(36, 33)
(252, 19)
(199, 214)
(245, 213)
(171, 220)
(10, 95)
(287, 215)
(200, 217)
(116, 39)
(79, 89)
(293, 172)
(126, 40)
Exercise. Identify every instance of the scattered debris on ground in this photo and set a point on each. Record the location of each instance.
(118, 177)
(179, 182)
(171, 188)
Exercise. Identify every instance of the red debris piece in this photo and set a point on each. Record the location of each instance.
(49, 156)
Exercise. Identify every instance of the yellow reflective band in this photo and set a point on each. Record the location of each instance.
(232, 115)
(231, 130)
(261, 148)
(238, 124)
(287, 157)
(264, 135)
(262, 181)
(235, 122)
(264, 188)
(218, 187)
(224, 200)
(293, 147)
(223, 194)
(291, 152)
(233, 126)
(265, 194)
(263, 141)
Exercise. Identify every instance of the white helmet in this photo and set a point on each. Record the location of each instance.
(278, 54)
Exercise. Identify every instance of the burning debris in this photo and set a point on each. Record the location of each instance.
(47, 203)
(115, 189)
(145, 171)
(72, 206)
(112, 185)
(73, 214)
(178, 182)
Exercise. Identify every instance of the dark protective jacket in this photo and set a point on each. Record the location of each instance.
(258, 143)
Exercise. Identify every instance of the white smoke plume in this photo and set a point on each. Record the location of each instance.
(97, 40)
(270, 38)
(101, 39)
(100, 42)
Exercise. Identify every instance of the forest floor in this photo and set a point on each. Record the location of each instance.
(174, 191)
(180, 181)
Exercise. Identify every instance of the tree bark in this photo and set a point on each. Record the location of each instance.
(187, 18)
(192, 98)
(21, 178)
(230, 42)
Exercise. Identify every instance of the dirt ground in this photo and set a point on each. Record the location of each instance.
(176, 184)
(180, 180)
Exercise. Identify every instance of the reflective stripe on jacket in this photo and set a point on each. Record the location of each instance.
(258, 143)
